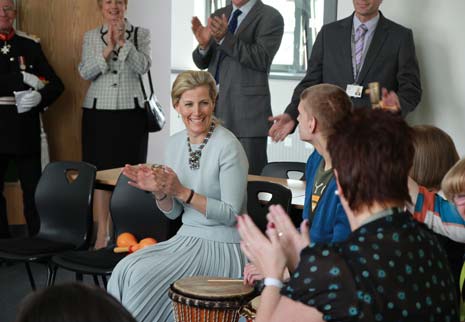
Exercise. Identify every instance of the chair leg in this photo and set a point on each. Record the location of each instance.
(51, 272)
(95, 277)
(55, 269)
(78, 277)
(29, 274)
(104, 280)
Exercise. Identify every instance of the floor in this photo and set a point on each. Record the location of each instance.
(14, 285)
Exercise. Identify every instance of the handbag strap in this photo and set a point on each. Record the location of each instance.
(148, 72)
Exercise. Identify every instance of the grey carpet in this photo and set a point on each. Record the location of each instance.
(14, 285)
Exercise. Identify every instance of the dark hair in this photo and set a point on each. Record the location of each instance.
(372, 152)
(328, 103)
(435, 154)
(74, 302)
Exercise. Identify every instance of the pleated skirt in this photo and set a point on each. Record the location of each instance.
(141, 280)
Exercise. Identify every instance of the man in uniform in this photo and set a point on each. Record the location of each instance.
(27, 85)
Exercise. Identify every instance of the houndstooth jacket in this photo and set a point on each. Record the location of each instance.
(115, 83)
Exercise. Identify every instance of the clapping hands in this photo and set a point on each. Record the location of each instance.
(161, 180)
(280, 247)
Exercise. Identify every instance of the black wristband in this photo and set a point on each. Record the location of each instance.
(189, 199)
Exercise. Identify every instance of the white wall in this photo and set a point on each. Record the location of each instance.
(438, 32)
(156, 16)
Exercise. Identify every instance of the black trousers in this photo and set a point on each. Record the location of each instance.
(29, 171)
(255, 148)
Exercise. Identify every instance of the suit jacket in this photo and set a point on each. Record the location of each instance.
(390, 60)
(115, 83)
(244, 98)
(20, 133)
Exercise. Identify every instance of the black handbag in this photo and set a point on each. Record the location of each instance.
(156, 118)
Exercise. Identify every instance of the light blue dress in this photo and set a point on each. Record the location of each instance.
(205, 245)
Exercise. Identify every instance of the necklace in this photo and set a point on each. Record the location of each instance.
(5, 37)
(5, 49)
(194, 156)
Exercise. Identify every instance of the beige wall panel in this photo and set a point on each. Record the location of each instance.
(61, 25)
(14, 197)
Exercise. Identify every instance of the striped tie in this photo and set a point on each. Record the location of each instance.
(359, 44)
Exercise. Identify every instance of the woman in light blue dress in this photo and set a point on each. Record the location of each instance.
(204, 180)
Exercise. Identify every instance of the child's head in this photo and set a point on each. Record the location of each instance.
(453, 186)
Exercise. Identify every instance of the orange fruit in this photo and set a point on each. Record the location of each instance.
(134, 248)
(147, 242)
(126, 240)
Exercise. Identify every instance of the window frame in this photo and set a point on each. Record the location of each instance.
(301, 17)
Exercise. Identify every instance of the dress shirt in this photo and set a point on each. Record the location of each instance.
(371, 25)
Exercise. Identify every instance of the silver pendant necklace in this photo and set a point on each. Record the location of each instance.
(5, 49)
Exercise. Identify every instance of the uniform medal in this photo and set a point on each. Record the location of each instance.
(22, 63)
(6, 46)
(5, 49)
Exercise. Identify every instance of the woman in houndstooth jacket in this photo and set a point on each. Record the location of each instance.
(114, 131)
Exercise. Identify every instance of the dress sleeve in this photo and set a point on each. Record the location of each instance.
(138, 59)
(323, 281)
(233, 184)
(439, 215)
(92, 62)
(408, 76)
(54, 87)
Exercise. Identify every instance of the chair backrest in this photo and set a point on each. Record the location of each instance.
(258, 208)
(63, 200)
(135, 211)
(286, 170)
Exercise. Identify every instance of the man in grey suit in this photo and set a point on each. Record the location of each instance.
(355, 51)
(238, 46)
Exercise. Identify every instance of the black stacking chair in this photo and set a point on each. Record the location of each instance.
(64, 202)
(286, 170)
(258, 208)
(132, 210)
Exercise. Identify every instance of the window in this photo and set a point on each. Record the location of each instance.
(302, 22)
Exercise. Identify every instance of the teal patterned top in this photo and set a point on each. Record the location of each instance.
(392, 268)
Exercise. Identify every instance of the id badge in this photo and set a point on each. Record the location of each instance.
(354, 90)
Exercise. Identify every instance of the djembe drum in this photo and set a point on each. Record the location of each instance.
(249, 311)
(208, 299)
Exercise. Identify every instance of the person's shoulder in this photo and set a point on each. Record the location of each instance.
(28, 37)
(392, 25)
(269, 10)
(93, 33)
(222, 10)
(341, 23)
(315, 157)
(143, 32)
(225, 135)
(178, 136)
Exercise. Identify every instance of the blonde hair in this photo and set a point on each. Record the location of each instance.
(99, 3)
(435, 154)
(191, 79)
(454, 180)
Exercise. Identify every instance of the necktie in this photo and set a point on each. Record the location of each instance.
(359, 44)
(233, 22)
(232, 26)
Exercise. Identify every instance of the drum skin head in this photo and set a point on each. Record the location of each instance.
(209, 292)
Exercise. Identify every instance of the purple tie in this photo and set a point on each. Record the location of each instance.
(359, 44)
